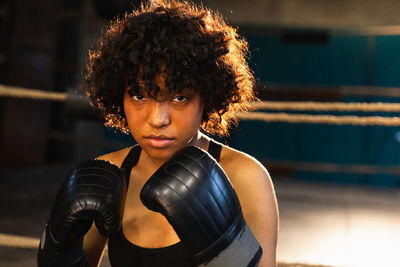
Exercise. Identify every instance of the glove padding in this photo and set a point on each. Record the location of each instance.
(95, 190)
(192, 191)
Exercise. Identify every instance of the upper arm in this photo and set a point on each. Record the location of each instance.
(256, 194)
(93, 246)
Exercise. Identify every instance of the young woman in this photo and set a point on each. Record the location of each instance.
(168, 74)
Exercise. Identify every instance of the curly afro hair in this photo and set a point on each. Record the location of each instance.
(192, 43)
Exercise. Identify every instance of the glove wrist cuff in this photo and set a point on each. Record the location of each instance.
(223, 242)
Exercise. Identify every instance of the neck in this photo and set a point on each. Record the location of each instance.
(199, 140)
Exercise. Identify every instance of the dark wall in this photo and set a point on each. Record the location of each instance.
(31, 62)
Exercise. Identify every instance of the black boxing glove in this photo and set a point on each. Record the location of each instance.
(95, 190)
(192, 191)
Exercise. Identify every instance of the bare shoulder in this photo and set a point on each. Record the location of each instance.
(116, 157)
(241, 166)
(249, 178)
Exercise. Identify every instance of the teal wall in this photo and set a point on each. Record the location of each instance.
(342, 60)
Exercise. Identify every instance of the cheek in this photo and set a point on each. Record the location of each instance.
(131, 116)
(193, 116)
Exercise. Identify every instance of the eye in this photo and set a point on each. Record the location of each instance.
(138, 97)
(180, 98)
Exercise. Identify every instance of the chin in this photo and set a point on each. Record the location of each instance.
(161, 153)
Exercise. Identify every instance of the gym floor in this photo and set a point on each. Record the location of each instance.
(320, 224)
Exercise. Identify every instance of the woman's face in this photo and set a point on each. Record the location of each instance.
(164, 124)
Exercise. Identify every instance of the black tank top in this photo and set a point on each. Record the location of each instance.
(123, 253)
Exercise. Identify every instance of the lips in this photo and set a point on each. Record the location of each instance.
(159, 141)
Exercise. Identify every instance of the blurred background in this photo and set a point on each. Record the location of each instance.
(337, 185)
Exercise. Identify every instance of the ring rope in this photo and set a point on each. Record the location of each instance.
(16, 241)
(321, 119)
(20, 92)
(328, 106)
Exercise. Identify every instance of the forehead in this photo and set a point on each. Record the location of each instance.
(162, 85)
(165, 92)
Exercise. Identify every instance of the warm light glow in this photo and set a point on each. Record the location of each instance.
(341, 231)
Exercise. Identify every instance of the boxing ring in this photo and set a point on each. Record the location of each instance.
(350, 222)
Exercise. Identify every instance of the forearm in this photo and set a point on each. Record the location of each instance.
(94, 246)
(268, 261)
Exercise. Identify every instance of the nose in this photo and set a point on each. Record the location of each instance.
(159, 116)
